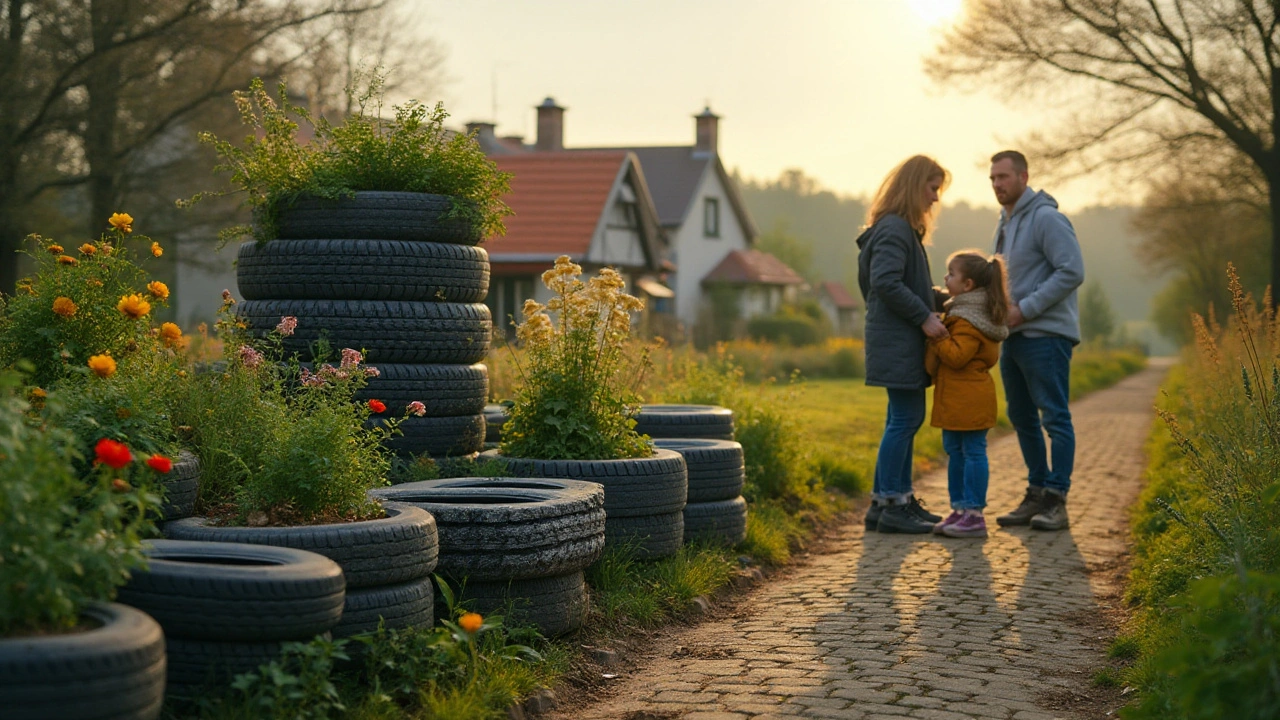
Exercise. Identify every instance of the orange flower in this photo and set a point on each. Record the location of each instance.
(66, 260)
(37, 397)
(156, 249)
(377, 407)
(122, 222)
(88, 249)
(65, 306)
(133, 306)
(104, 366)
(158, 289)
(170, 334)
(470, 622)
(112, 453)
(160, 463)
(55, 249)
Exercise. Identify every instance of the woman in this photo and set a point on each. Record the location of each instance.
(893, 274)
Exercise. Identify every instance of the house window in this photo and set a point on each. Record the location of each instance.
(711, 217)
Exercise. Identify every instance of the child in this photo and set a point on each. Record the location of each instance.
(964, 395)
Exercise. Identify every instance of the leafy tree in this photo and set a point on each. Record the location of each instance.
(1097, 319)
(795, 251)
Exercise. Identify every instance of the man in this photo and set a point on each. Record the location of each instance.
(1045, 268)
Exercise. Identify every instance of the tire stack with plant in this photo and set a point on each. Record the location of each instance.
(570, 418)
(523, 542)
(368, 235)
(716, 511)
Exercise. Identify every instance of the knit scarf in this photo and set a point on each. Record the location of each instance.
(972, 306)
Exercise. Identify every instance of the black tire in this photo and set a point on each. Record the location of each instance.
(387, 331)
(494, 529)
(650, 536)
(685, 421)
(445, 390)
(362, 270)
(632, 486)
(198, 664)
(495, 416)
(397, 607)
(397, 548)
(438, 436)
(716, 467)
(181, 485)
(378, 215)
(721, 523)
(556, 605)
(115, 671)
(236, 592)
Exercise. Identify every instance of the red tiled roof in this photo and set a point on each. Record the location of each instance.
(558, 198)
(753, 266)
(840, 297)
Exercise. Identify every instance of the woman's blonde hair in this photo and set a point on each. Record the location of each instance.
(902, 193)
(987, 275)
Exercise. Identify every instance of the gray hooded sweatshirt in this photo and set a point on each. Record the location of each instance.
(1044, 264)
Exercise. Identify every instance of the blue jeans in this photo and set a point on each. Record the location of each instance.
(897, 446)
(967, 469)
(1036, 373)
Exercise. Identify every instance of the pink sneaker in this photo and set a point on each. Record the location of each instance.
(952, 519)
(969, 526)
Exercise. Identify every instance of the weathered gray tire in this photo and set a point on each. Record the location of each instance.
(723, 522)
(716, 467)
(445, 390)
(235, 591)
(685, 421)
(378, 215)
(650, 536)
(556, 605)
(397, 548)
(362, 270)
(494, 529)
(387, 331)
(195, 665)
(181, 485)
(399, 606)
(438, 436)
(115, 671)
(632, 486)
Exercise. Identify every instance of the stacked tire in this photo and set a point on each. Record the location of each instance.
(716, 512)
(394, 275)
(513, 542)
(707, 422)
(226, 608)
(181, 486)
(387, 562)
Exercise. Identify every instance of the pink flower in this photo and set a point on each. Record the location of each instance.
(287, 325)
(350, 358)
(371, 372)
(310, 379)
(329, 371)
(417, 408)
(250, 357)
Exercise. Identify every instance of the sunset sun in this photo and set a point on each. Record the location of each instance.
(935, 11)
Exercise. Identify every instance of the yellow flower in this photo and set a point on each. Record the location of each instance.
(26, 288)
(66, 260)
(156, 249)
(102, 365)
(170, 334)
(88, 249)
(39, 393)
(55, 249)
(65, 306)
(122, 222)
(470, 622)
(133, 306)
(158, 289)
(93, 282)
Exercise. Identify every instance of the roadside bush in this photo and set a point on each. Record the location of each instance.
(786, 328)
(1094, 367)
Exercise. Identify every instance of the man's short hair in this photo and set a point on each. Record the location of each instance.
(1018, 159)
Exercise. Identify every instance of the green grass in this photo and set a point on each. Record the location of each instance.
(630, 593)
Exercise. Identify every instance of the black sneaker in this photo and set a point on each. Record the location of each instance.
(1031, 506)
(1053, 513)
(917, 509)
(900, 519)
(873, 515)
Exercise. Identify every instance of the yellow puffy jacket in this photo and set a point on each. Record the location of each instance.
(964, 395)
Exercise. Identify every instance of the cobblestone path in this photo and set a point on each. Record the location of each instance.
(900, 626)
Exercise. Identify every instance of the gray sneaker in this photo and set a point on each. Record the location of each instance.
(901, 519)
(1053, 514)
(1031, 506)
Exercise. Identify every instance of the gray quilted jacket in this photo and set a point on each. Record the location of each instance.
(893, 274)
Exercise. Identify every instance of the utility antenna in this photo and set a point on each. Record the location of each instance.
(493, 93)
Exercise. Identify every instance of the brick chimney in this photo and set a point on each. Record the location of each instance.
(484, 132)
(708, 128)
(550, 126)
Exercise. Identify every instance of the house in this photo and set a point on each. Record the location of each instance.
(840, 307)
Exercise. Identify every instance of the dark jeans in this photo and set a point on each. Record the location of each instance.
(967, 469)
(1036, 373)
(893, 461)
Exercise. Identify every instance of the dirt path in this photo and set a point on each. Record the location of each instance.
(898, 626)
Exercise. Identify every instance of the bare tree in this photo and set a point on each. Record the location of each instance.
(1155, 81)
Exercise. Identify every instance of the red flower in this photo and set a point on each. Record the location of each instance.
(112, 453)
(377, 406)
(160, 463)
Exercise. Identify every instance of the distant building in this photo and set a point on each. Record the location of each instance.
(840, 307)
(759, 282)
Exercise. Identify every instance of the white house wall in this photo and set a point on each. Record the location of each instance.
(695, 255)
(618, 242)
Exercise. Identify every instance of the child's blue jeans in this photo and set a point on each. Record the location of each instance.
(967, 469)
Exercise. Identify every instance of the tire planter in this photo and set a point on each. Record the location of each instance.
(717, 470)
(445, 390)
(181, 487)
(362, 270)
(556, 605)
(495, 416)
(409, 604)
(442, 436)
(651, 536)
(723, 522)
(378, 215)
(115, 671)
(633, 487)
(201, 664)
(385, 330)
(685, 421)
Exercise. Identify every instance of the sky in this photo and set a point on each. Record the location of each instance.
(833, 87)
